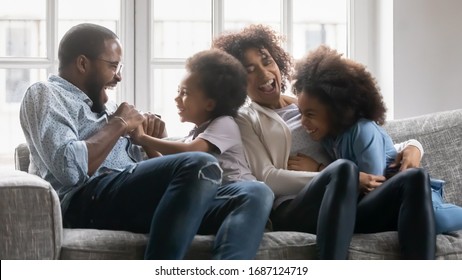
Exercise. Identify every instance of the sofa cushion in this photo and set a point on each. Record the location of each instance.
(22, 157)
(93, 244)
(385, 246)
(275, 245)
(86, 244)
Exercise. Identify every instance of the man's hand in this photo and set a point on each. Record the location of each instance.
(302, 162)
(152, 126)
(132, 117)
(408, 158)
(369, 182)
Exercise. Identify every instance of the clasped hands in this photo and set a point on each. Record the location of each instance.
(139, 123)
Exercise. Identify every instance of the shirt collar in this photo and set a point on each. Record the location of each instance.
(199, 129)
(69, 87)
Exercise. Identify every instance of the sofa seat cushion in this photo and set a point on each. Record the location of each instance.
(86, 244)
(449, 246)
(384, 245)
(93, 244)
(274, 245)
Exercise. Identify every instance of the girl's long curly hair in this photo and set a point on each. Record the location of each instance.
(260, 37)
(345, 86)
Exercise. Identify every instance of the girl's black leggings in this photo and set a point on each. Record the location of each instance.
(330, 208)
(402, 203)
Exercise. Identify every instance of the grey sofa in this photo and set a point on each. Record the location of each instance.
(31, 226)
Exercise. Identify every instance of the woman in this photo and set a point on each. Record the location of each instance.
(271, 132)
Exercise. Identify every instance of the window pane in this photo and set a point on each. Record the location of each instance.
(165, 83)
(22, 31)
(319, 22)
(180, 28)
(13, 84)
(239, 13)
(102, 12)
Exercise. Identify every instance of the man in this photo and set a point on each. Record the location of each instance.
(81, 147)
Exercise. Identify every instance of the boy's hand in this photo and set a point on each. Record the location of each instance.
(154, 126)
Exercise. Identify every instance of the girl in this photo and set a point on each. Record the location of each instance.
(209, 96)
(328, 83)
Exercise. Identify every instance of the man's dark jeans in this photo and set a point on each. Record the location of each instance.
(166, 197)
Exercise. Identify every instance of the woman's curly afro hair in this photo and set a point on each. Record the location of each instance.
(259, 37)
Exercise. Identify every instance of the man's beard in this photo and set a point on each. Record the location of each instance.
(96, 92)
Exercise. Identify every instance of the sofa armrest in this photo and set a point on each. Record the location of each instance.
(30, 217)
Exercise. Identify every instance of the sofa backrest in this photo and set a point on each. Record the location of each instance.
(21, 157)
(441, 136)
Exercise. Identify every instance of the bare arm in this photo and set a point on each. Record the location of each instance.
(152, 145)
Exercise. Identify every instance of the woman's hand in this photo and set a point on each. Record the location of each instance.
(408, 158)
(369, 182)
(302, 162)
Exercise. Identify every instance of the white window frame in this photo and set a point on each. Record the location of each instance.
(144, 61)
(366, 43)
(50, 62)
(136, 84)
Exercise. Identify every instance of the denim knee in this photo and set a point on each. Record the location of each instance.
(204, 165)
(260, 194)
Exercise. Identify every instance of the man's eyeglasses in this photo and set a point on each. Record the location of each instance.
(118, 66)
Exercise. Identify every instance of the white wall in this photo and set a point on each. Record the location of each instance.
(371, 43)
(427, 56)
